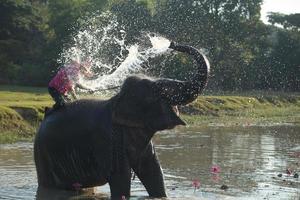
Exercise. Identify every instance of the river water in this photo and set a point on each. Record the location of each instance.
(249, 160)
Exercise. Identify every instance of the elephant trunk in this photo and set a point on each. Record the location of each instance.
(184, 92)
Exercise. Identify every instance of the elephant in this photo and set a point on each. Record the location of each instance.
(92, 142)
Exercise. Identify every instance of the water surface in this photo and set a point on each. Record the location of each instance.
(250, 159)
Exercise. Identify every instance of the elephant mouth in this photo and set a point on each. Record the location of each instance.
(174, 119)
(176, 111)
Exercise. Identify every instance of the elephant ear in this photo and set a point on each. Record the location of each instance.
(138, 105)
(126, 117)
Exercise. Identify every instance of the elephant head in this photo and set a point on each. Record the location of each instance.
(152, 103)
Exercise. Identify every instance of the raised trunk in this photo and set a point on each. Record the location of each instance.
(201, 76)
(184, 92)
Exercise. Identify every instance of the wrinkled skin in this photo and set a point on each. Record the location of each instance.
(91, 142)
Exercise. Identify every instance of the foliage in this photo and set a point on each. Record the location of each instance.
(32, 34)
(64, 16)
(21, 38)
(291, 21)
(245, 54)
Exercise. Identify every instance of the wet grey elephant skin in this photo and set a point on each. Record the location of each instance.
(93, 142)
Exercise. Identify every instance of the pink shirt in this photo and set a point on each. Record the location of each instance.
(65, 78)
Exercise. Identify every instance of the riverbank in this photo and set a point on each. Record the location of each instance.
(253, 110)
(22, 109)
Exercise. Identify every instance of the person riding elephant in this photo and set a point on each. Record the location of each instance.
(93, 142)
(66, 80)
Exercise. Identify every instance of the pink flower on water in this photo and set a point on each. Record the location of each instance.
(123, 198)
(76, 186)
(196, 184)
(289, 171)
(215, 169)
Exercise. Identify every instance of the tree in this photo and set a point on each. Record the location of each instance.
(64, 20)
(226, 30)
(244, 53)
(33, 33)
(134, 16)
(291, 21)
(21, 38)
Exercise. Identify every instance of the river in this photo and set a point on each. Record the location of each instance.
(249, 161)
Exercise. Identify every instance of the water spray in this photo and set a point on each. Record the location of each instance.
(95, 40)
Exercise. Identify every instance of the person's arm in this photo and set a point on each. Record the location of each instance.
(89, 75)
(73, 93)
(79, 85)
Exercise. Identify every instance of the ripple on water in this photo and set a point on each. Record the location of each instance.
(249, 158)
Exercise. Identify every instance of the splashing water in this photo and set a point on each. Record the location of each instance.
(102, 42)
(160, 44)
(132, 63)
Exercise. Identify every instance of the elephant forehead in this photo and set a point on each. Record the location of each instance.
(137, 85)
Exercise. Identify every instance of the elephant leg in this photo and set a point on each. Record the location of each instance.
(150, 173)
(119, 183)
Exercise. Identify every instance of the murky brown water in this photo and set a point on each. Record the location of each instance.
(250, 158)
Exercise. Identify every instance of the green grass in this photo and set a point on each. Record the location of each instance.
(12, 137)
(24, 96)
(243, 110)
(22, 109)
(13, 126)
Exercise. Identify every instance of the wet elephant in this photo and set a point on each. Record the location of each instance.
(91, 142)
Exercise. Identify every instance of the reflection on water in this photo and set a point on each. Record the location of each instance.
(250, 159)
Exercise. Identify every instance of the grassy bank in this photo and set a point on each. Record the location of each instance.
(243, 110)
(22, 109)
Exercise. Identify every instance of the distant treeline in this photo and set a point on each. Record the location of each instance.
(245, 53)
